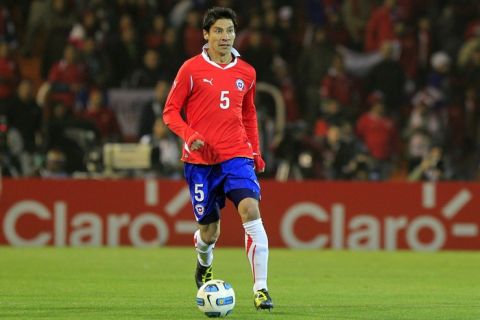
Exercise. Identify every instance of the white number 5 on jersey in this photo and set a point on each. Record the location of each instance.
(224, 100)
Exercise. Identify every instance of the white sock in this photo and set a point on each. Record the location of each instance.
(205, 251)
(256, 244)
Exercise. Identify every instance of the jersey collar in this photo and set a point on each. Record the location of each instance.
(231, 64)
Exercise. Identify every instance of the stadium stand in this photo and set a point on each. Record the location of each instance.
(368, 88)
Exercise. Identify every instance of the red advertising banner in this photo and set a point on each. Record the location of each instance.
(335, 215)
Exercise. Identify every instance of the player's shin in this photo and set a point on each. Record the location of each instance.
(204, 251)
(256, 245)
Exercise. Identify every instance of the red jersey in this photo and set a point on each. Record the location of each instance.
(379, 135)
(218, 103)
(8, 77)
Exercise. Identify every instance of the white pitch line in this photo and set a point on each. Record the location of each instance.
(176, 204)
(465, 230)
(186, 226)
(151, 192)
(456, 203)
(428, 195)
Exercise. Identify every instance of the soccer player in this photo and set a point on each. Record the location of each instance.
(216, 91)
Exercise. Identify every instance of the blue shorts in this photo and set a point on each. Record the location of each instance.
(211, 184)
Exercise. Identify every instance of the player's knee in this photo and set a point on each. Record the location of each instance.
(249, 210)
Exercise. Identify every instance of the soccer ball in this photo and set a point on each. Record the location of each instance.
(216, 298)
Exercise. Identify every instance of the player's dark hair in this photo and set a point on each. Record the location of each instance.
(215, 13)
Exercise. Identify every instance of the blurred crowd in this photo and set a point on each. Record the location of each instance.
(370, 89)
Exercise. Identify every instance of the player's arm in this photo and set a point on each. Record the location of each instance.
(249, 116)
(176, 99)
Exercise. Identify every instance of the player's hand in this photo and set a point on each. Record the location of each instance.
(259, 163)
(195, 141)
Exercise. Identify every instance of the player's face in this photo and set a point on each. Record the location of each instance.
(221, 36)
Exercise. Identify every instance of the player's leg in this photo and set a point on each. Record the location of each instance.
(205, 238)
(244, 190)
(256, 245)
(256, 241)
(207, 202)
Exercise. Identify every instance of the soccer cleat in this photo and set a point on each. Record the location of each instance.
(203, 274)
(263, 300)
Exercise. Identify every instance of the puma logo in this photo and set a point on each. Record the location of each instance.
(208, 81)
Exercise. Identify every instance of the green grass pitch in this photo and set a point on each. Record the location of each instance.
(129, 283)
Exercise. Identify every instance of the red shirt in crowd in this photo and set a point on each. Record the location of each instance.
(8, 77)
(379, 28)
(65, 79)
(337, 86)
(379, 135)
(105, 121)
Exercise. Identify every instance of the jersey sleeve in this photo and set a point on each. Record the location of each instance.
(249, 116)
(175, 101)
